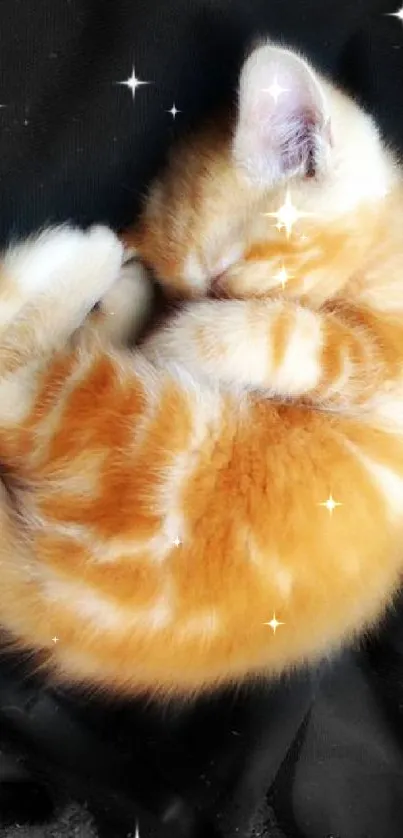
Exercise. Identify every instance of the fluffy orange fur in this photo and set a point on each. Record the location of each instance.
(160, 505)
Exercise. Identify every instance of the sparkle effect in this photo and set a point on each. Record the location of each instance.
(55, 639)
(274, 624)
(173, 111)
(275, 90)
(133, 83)
(287, 215)
(177, 542)
(398, 14)
(330, 504)
(282, 277)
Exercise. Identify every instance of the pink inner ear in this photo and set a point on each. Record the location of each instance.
(275, 83)
(297, 140)
(281, 114)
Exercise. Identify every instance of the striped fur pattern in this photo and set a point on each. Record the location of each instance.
(160, 505)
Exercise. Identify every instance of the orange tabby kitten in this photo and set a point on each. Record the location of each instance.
(160, 507)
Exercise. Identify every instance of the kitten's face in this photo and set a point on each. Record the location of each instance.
(209, 226)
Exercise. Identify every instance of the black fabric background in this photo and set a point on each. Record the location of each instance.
(321, 750)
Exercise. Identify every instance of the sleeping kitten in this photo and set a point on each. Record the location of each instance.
(165, 509)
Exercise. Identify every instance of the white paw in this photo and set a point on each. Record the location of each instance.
(64, 256)
(104, 241)
(128, 303)
(103, 256)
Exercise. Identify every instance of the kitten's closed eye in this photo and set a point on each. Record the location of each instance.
(229, 258)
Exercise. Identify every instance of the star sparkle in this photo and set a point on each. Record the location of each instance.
(177, 542)
(275, 90)
(330, 504)
(173, 111)
(282, 277)
(398, 14)
(133, 83)
(55, 639)
(274, 624)
(287, 215)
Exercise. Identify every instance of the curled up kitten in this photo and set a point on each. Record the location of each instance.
(161, 506)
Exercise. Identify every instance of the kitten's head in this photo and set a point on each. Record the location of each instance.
(209, 224)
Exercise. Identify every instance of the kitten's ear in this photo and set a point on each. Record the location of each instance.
(283, 126)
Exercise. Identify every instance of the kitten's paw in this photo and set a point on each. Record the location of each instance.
(104, 256)
(128, 304)
(61, 257)
(105, 242)
(35, 263)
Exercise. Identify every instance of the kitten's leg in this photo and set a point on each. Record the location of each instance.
(126, 307)
(335, 359)
(57, 277)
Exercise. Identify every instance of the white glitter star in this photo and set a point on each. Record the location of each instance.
(274, 624)
(133, 83)
(282, 277)
(330, 504)
(177, 541)
(55, 639)
(398, 14)
(275, 90)
(174, 110)
(287, 215)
